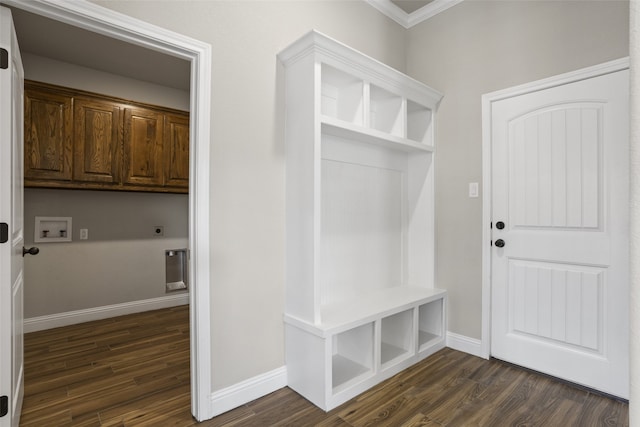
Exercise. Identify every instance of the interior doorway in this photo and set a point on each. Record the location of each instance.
(98, 20)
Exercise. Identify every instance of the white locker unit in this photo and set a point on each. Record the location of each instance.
(361, 304)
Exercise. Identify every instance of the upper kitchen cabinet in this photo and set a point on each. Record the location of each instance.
(176, 152)
(48, 145)
(97, 140)
(80, 140)
(143, 146)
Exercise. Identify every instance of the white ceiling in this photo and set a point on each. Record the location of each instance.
(410, 6)
(52, 39)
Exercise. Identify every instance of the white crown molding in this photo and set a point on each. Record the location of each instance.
(316, 43)
(408, 20)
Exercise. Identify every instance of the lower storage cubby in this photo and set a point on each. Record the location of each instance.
(430, 320)
(396, 337)
(352, 356)
(363, 343)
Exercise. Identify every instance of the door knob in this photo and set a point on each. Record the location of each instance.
(31, 251)
(500, 243)
(499, 225)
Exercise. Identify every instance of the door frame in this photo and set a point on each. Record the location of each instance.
(487, 102)
(112, 24)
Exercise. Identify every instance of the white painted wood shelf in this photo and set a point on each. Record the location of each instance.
(361, 304)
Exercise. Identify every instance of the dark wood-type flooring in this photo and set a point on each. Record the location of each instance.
(134, 371)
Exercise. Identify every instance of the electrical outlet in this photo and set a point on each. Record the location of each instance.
(84, 233)
(158, 230)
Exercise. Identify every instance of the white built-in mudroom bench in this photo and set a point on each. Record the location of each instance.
(361, 304)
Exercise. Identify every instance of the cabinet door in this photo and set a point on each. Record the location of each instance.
(143, 147)
(176, 150)
(47, 136)
(98, 141)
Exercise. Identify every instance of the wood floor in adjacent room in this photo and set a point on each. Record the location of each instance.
(134, 371)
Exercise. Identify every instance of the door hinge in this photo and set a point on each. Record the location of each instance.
(4, 232)
(4, 59)
(4, 406)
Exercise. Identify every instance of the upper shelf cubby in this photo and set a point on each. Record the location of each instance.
(358, 92)
(386, 111)
(419, 123)
(342, 96)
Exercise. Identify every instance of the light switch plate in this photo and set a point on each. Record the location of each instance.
(473, 189)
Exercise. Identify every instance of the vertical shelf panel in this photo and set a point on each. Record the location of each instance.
(342, 95)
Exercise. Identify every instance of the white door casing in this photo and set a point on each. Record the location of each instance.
(11, 206)
(559, 182)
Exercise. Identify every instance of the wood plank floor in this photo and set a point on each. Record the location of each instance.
(134, 371)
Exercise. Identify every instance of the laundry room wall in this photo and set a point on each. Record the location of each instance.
(122, 262)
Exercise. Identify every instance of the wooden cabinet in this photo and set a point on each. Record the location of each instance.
(97, 140)
(361, 302)
(143, 146)
(75, 139)
(176, 151)
(48, 146)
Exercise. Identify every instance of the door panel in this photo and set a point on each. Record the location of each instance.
(11, 205)
(560, 185)
(556, 303)
(555, 167)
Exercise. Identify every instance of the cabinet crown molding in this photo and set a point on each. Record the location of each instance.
(317, 44)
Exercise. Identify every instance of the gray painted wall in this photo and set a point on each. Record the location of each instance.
(471, 49)
(122, 261)
(478, 47)
(247, 154)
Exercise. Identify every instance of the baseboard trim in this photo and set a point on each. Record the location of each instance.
(465, 344)
(248, 390)
(51, 321)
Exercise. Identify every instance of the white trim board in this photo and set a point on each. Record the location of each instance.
(246, 391)
(57, 320)
(465, 344)
(487, 101)
(92, 17)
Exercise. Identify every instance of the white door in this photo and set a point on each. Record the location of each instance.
(560, 212)
(11, 233)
